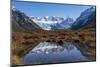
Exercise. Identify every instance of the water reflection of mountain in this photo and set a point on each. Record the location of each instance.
(55, 53)
(51, 47)
(69, 46)
(47, 47)
(86, 51)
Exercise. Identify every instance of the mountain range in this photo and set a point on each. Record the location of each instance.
(51, 23)
(20, 20)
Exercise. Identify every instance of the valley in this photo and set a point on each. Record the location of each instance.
(28, 32)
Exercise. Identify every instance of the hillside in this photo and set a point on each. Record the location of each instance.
(20, 22)
(87, 20)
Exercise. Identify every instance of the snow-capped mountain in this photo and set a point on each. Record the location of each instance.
(47, 19)
(47, 22)
(87, 17)
(21, 21)
(51, 23)
(66, 23)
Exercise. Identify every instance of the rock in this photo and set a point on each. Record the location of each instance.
(60, 42)
(53, 40)
(48, 41)
(76, 41)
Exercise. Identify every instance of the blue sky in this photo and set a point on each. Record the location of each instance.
(45, 9)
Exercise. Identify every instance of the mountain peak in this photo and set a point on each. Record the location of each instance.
(14, 9)
(87, 17)
(21, 21)
(48, 19)
(69, 19)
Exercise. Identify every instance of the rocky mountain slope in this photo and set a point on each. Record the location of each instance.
(21, 21)
(87, 19)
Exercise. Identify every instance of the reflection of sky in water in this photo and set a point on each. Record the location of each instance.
(52, 53)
